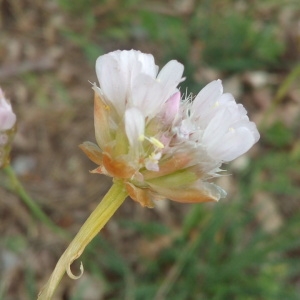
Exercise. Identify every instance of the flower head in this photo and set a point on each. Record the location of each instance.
(7, 122)
(160, 145)
(7, 116)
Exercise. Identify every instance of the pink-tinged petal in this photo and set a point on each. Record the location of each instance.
(171, 108)
(92, 151)
(101, 122)
(134, 126)
(7, 116)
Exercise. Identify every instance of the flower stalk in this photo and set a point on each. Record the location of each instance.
(96, 221)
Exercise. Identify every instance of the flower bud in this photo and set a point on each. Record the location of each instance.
(7, 129)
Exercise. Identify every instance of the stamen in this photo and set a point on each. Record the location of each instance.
(156, 142)
(152, 140)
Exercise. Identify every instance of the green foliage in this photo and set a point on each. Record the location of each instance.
(81, 5)
(230, 39)
(235, 42)
(276, 170)
(279, 135)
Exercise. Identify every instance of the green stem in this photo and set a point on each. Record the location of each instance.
(17, 187)
(95, 222)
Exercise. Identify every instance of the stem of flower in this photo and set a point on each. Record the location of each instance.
(98, 218)
(17, 187)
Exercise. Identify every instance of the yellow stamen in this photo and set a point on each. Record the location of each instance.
(152, 140)
(156, 142)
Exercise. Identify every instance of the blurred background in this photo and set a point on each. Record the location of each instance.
(247, 246)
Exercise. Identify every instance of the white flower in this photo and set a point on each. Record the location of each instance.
(227, 130)
(7, 117)
(158, 145)
(131, 79)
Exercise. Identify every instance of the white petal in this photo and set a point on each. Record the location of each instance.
(169, 77)
(151, 163)
(207, 97)
(134, 125)
(229, 133)
(114, 81)
(217, 127)
(147, 95)
(233, 144)
(171, 73)
(148, 66)
(253, 129)
(118, 70)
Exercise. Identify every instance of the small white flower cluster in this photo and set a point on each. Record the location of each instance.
(7, 122)
(160, 145)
